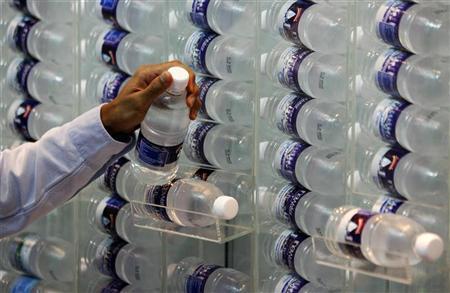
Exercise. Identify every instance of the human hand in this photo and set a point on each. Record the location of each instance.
(123, 115)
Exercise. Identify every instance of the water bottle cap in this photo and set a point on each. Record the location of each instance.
(180, 78)
(225, 207)
(429, 246)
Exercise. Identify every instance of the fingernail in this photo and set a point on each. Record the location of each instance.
(165, 77)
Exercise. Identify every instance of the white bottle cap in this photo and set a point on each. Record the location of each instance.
(429, 246)
(225, 207)
(180, 78)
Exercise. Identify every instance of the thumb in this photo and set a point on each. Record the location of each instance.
(157, 87)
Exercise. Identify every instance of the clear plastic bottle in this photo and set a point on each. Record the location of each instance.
(319, 75)
(50, 259)
(52, 42)
(417, 129)
(115, 285)
(225, 57)
(33, 119)
(314, 26)
(193, 275)
(227, 102)
(227, 147)
(384, 239)
(10, 282)
(318, 122)
(47, 10)
(162, 132)
(44, 82)
(319, 169)
(284, 282)
(419, 28)
(295, 251)
(422, 80)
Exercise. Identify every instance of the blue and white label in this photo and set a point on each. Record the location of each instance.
(287, 112)
(195, 50)
(286, 247)
(115, 286)
(106, 255)
(384, 165)
(106, 213)
(20, 251)
(21, 70)
(110, 177)
(109, 10)
(197, 280)
(204, 84)
(157, 195)
(286, 158)
(199, 14)
(156, 155)
(112, 83)
(387, 205)
(389, 17)
(23, 284)
(21, 116)
(195, 140)
(286, 203)
(388, 67)
(290, 283)
(288, 67)
(21, 31)
(20, 5)
(385, 118)
(111, 42)
(289, 19)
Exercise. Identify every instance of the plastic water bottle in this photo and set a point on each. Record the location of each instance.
(134, 16)
(402, 74)
(227, 102)
(51, 259)
(294, 205)
(32, 119)
(10, 282)
(162, 132)
(419, 28)
(193, 275)
(44, 82)
(122, 50)
(384, 239)
(417, 129)
(318, 122)
(293, 250)
(114, 285)
(48, 10)
(307, 165)
(284, 282)
(44, 41)
(225, 57)
(303, 23)
(227, 147)
(319, 75)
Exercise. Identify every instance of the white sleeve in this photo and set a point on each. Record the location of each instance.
(38, 177)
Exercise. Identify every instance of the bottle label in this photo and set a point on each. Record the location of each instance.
(204, 85)
(157, 195)
(388, 67)
(24, 284)
(289, 19)
(20, 5)
(22, 114)
(197, 280)
(198, 14)
(109, 8)
(387, 205)
(350, 231)
(383, 167)
(195, 50)
(202, 174)
(115, 286)
(287, 112)
(106, 213)
(156, 155)
(388, 21)
(21, 32)
(286, 203)
(111, 43)
(23, 70)
(290, 284)
(386, 116)
(286, 158)
(112, 84)
(20, 251)
(106, 255)
(289, 65)
(110, 177)
(286, 246)
(195, 139)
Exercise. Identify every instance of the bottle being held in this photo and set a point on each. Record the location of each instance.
(318, 75)
(193, 275)
(387, 240)
(52, 42)
(223, 146)
(47, 10)
(284, 282)
(318, 122)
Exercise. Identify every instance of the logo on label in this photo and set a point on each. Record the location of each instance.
(111, 172)
(22, 114)
(291, 19)
(109, 10)
(112, 86)
(110, 45)
(386, 77)
(107, 254)
(156, 155)
(286, 246)
(204, 85)
(353, 231)
(195, 139)
(287, 112)
(196, 48)
(384, 175)
(21, 32)
(196, 282)
(386, 116)
(289, 65)
(289, 152)
(157, 195)
(109, 213)
(198, 14)
(287, 201)
(389, 21)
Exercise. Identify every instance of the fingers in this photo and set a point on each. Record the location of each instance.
(194, 104)
(156, 88)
